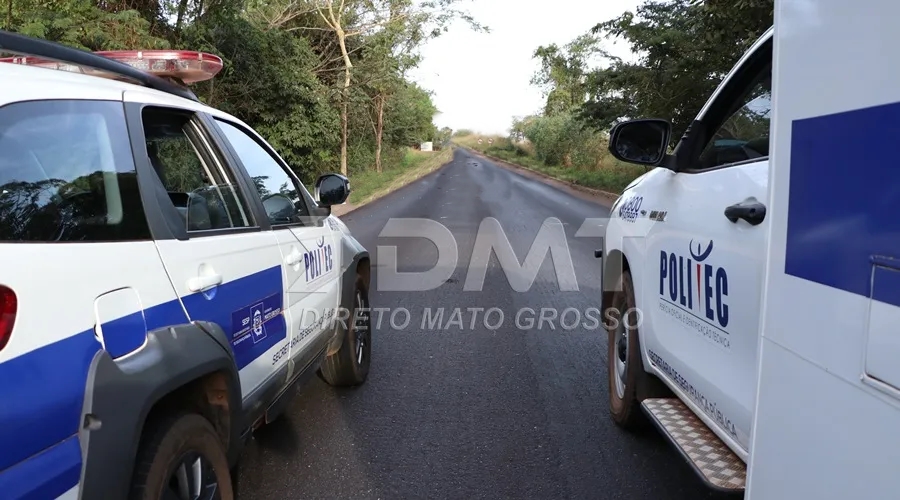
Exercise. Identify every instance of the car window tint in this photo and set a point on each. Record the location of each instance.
(204, 194)
(280, 194)
(745, 134)
(67, 175)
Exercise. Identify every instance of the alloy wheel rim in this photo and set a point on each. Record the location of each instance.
(360, 327)
(192, 478)
(621, 359)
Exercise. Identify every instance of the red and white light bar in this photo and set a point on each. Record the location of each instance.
(185, 66)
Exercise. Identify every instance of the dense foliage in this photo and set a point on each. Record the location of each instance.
(287, 65)
(683, 49)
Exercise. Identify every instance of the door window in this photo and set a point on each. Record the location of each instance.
(744, 135)
(279, 192)
(203, 192)
(67, 175)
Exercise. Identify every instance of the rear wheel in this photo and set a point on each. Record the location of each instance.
(350, 365)
(182, 458)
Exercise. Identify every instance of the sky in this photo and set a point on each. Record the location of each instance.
(481, 80)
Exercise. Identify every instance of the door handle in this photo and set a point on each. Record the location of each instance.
(204, 283)
(752, 212)
(293, 258)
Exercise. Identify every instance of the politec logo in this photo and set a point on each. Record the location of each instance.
(318, 261)
(694, 283)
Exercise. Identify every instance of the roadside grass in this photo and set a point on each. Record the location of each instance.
(370, 185)
(606, 173)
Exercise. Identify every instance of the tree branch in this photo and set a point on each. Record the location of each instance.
(382, 23)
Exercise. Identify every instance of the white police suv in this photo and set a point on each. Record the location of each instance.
(684, 256)
(165, 282)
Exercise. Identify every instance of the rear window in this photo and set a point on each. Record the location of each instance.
(66, 174)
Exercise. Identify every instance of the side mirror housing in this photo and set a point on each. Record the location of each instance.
(332, 189)
(279, 208)
(640, 141)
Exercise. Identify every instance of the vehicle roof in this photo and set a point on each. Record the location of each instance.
(19, 82)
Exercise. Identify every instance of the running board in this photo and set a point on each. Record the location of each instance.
(716, 464)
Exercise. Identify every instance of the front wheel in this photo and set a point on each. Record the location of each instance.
(350, 365)
(182, 458)
(628, 382)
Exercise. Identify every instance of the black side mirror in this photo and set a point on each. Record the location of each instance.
(640, 141)
(332, 189)
(279, 208)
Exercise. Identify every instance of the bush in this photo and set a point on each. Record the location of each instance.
(501, 144)
(563, 140)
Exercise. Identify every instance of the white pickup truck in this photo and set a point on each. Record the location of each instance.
(759, 260)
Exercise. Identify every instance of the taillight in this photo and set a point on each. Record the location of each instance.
(8, 306)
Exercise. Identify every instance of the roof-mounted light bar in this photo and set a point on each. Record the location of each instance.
(162, 67)
(182, 65)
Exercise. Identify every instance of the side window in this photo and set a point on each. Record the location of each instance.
(67, 174)
(745, 133)
(203, 192)
(280, 194)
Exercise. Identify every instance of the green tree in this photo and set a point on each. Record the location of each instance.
(562, 139)
(520, 126)
(563, 73)
(285, 67)
(387, 56)
(685, 48)
(443, 137)
(410, 115)
(367, 20)
(81, 24)
(268, 82)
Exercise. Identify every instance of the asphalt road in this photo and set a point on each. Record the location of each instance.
(462, 412)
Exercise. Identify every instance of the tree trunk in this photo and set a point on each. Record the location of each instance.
(345, 97)
(379, 130)
(9, 15)
(344, 125)
(182, 7)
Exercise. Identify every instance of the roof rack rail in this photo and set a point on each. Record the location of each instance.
(24, 45)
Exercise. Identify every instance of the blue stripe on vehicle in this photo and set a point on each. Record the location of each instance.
(42, 392)
(229, 300)
(47, 475)
(124, 335)
(844, 199)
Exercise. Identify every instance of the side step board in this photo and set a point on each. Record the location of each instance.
(716, 464)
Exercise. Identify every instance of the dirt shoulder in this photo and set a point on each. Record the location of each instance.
(605, 198)
(344, 209)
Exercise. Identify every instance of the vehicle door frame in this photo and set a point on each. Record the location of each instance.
(299, 361)
(713, 114)
(167, 224)
(314, 219)
(722, 104)
(162, 217)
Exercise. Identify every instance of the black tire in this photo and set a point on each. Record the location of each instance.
(175, 442)
(638, 384)
(350, 365)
